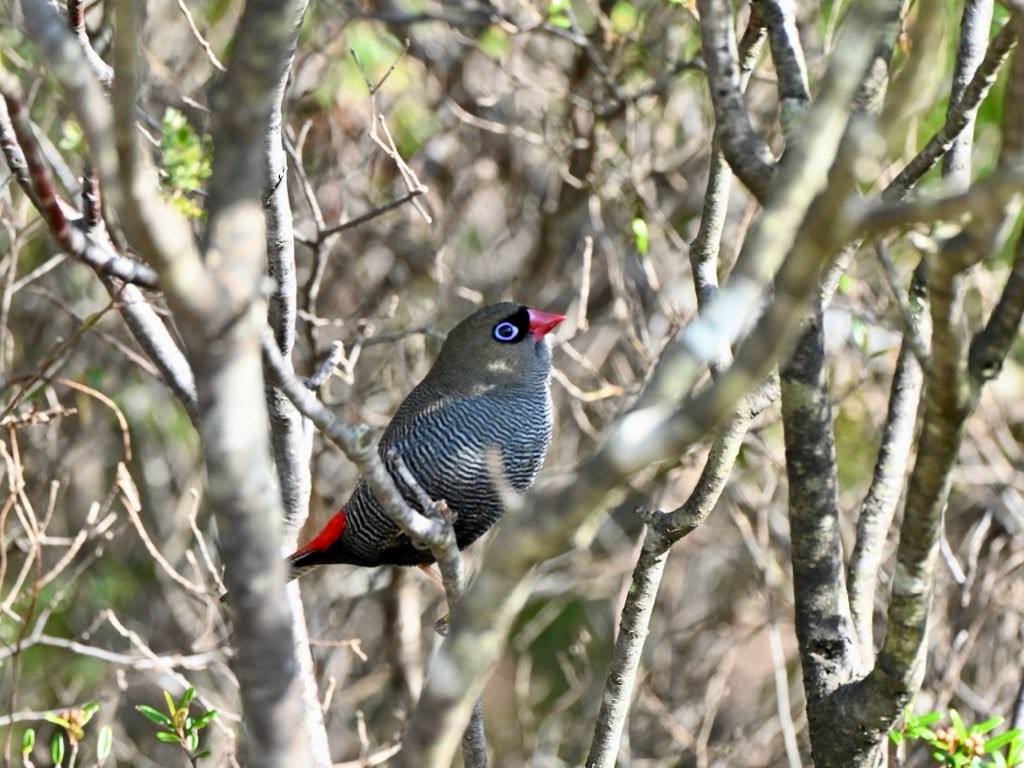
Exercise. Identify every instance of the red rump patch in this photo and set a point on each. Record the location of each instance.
(329, 534)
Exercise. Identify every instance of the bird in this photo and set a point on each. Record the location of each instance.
(488, 390)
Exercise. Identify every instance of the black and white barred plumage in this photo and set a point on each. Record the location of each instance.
(488, 391)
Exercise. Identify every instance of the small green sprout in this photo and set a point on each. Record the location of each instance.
(178, 726)
(960, 745)
(641, 236)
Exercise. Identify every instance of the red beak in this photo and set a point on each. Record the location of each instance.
(542, 322)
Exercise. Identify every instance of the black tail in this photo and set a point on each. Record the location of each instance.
(302, 563)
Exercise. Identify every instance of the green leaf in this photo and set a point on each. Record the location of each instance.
(987, 725)
(72, 138)
(171, 709)
(927, 718)
(623, 17)
(896, 737)
(57, 748)
(859, 331)
(640, 235)
(88, 710)
(186, 697)
(920, 732)
(1016, 751)
(192, 740)
(494, 42)
(155, 715)
(958, 724)
(557, 15)
(1002, 739)
(186, 161)
(167, 737)
(205, 719)
(104, 743)
(28, 741)
(204, 753)
(56, 719)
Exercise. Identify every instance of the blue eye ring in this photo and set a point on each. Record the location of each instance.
(505, 331)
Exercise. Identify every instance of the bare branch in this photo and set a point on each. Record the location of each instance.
(981, 198)
(156, 230)
(370, 215)
(704, 250)
(291, 437)
(779, 17)
(22, 154)
(203, 42)
(958, 118)
(879, 507)
(974, 31)
(746, 152)
(135, 661)
(992, 344)
(900, 660)
(824, 629)
(629, 645)
(151, 333)
(911, 306)
(663, 530)
(76, 19)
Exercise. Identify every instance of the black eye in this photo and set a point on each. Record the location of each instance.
(505, 331)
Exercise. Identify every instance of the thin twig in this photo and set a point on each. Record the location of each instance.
(370, 215)
(910, 317)
(199, 37)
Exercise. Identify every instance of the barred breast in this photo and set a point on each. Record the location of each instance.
(446, 446)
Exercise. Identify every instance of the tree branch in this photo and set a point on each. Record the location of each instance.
(151, 333)
(218, 308)
(663, 530)
(827, 651)
(704, 250)
(746, 152)
(21, 151)
(980, 198)
(362, 452)
(991, 345)
(291, 437)
(76, 20)
(879, 507)
(900, 665)
(974, 30)
(779, 16)
(865, 709)
(959, 117)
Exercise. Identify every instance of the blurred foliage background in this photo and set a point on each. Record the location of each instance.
(540, 149)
